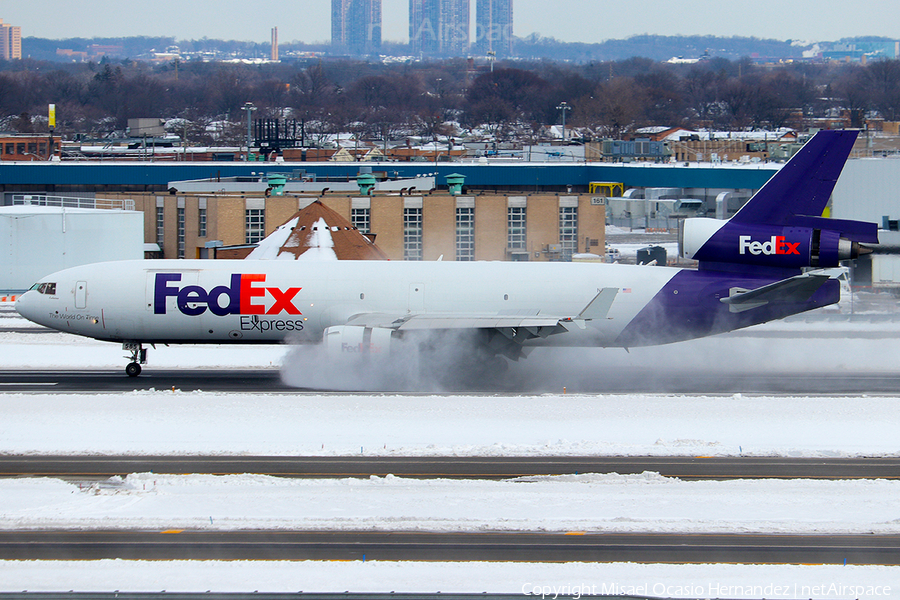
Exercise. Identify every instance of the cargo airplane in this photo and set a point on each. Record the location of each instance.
(772, 259)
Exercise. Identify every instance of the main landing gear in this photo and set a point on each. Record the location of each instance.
(138, 358)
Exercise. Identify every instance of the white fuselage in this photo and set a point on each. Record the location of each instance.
(267, 301)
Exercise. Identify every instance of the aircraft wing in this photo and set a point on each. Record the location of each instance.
(597, 308)
(793, 289)
(507, 332)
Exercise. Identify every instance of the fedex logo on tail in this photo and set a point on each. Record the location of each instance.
(777, 244)
(246, 295)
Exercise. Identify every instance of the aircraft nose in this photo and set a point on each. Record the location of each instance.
(25, 305)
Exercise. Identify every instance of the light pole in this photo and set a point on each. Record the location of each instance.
(51, 122)
(248, 106)
(564, 107)
(491, 56)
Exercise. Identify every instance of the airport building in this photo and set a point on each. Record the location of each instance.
(41, 235)
(561, 207)
(496, 211)
(429, 226)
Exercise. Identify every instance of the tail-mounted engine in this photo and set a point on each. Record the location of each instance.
(823, 244)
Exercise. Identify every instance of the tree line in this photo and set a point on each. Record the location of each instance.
(203, 101)
(655, 47)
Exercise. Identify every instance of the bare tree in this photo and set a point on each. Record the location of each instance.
(883, 79)
(702, 89)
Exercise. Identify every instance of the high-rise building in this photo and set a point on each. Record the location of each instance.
(274, 44)
(439, 27)
(340, 12)
(356, 26)
(10, 42)
(494, 27)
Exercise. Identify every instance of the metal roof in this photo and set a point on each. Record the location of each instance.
(516, 175)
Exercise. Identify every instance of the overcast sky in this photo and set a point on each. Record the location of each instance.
(569, 20)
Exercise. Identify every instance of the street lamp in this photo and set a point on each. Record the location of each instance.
(564, 107)
(248, 106)
(491, 56)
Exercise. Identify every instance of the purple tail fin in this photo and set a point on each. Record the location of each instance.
(781, 227)
(804, 185)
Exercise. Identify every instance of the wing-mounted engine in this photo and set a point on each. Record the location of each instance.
(381, 335)
(823, 245)
(354, 340)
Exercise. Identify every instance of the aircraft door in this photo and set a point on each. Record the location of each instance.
(81, 294)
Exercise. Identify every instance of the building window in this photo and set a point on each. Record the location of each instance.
(515, 228)
(9, 149)
(201, 222)
(568, 231)
(465, 233)
(359, 218)
(160, 226)
(20, 148)
(180, 233)
(255, 221)
(412, 234)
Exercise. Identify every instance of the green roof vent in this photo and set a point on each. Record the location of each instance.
(455, 182)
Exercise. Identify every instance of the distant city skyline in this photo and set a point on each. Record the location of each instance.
(439, 26)
(494, 27)
(356, 26)
(567, 20)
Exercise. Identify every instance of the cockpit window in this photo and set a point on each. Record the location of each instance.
(45, 288)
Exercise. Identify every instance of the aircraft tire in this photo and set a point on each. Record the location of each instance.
(133, 369)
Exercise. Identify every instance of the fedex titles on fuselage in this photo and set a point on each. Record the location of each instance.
(775, 245)
(245, 296)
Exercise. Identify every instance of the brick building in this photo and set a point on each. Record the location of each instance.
(27, 147)
(536, 227)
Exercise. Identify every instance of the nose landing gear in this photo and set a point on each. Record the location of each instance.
(138, 358)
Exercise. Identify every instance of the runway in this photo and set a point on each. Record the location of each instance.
(626, 380)
(96, 468)
(431, 546)
(427, 546)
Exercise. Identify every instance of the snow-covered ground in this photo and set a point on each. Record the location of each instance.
(166, 422)
(591, 503)
(529, 579)
(172, 422)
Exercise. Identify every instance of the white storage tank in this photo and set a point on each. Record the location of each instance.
(38, 240)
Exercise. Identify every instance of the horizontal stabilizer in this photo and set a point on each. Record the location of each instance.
(599, 307)
(858, 231)
(794, 289)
